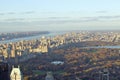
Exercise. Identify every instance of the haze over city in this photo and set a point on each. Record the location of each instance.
(59, 40)
(58, 15)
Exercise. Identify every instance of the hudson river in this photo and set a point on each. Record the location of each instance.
(51, 34)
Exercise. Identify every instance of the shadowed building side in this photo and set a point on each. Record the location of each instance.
(4, 71)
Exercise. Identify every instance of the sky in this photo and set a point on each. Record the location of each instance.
(59, 15)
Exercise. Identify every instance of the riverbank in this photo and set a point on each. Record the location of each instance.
(15, 35)
(50, 34)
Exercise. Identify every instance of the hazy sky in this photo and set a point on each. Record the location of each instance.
(24, 15)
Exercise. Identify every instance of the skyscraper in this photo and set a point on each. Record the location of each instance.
(44, 45)
(16, 74)
(105, 75)
(49, 76)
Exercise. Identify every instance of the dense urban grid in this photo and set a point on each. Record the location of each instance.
(68, 56)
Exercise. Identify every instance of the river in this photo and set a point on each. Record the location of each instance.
(51, 34)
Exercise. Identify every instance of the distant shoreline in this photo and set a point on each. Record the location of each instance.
(16, 35)
(49, 34)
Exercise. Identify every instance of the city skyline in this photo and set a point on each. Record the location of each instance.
(54, 15)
